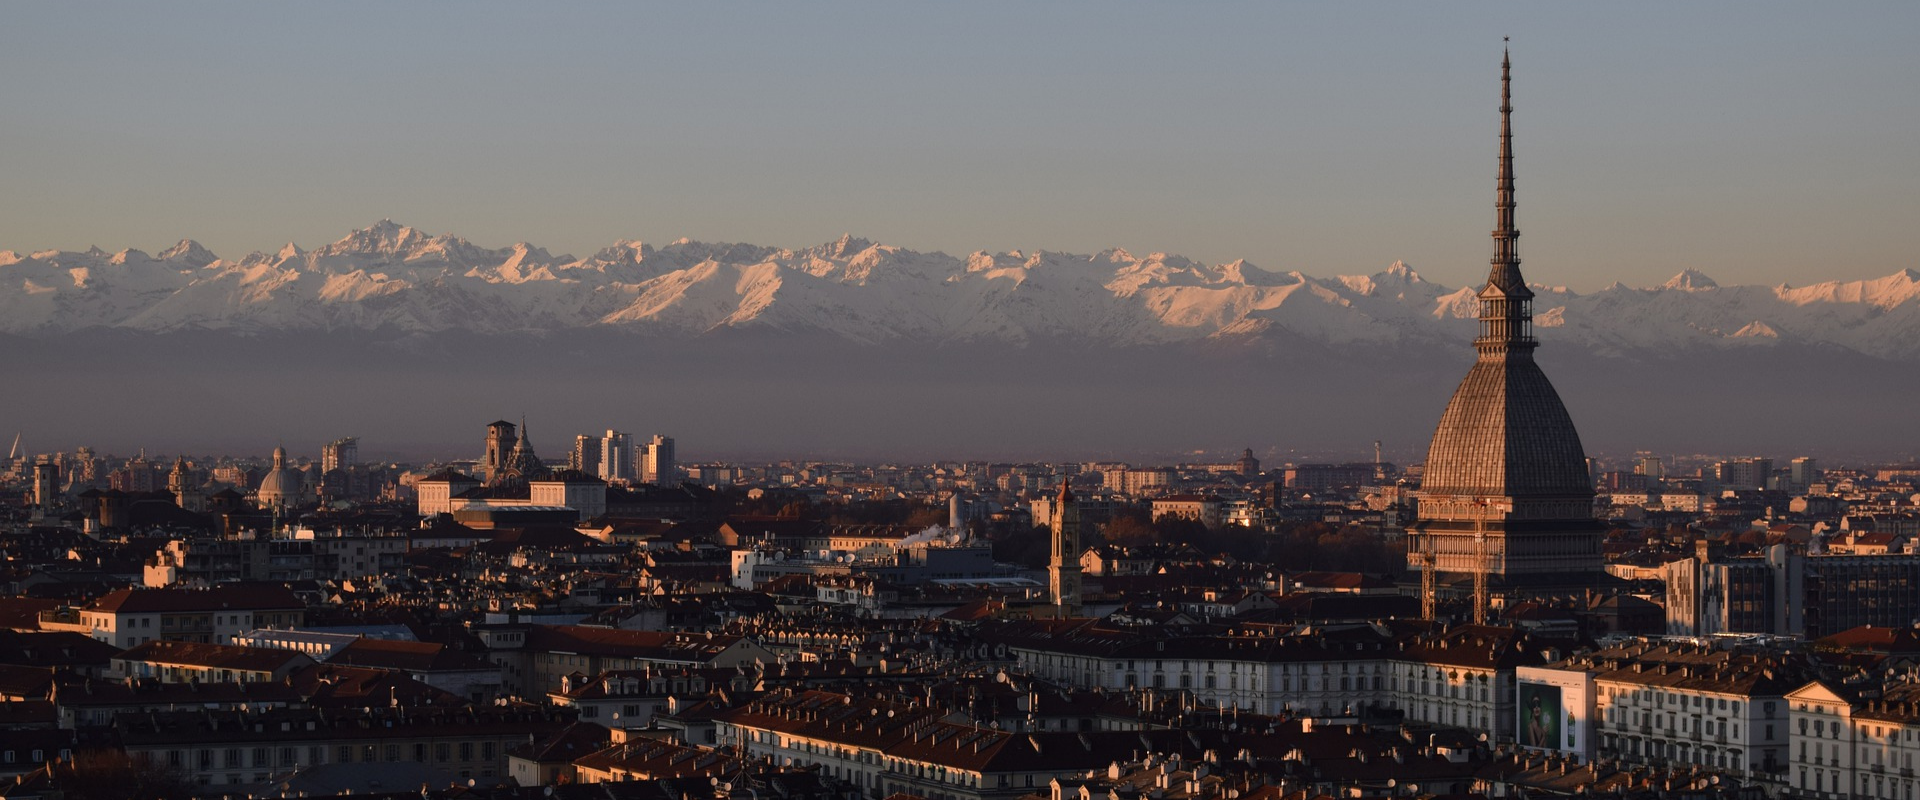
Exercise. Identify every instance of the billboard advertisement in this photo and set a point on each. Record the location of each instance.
(1553, 709)
(1542, 717)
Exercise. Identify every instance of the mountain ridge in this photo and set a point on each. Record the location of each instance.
(390, 276)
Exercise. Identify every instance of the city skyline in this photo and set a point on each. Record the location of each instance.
(853, 522)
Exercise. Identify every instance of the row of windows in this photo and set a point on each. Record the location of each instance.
(238, 757)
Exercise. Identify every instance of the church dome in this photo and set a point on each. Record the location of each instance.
(1506, 433)
(281, 485)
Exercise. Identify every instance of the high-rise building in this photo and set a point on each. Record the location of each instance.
(1506, 495)
(340, 454)
(1652, 467)
(586, 454)
(1743, 473)
(658, 467)
(1803, 472)
(616, 457)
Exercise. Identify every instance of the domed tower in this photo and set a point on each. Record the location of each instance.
(1506, 496)
(180, 479)
(281, 487)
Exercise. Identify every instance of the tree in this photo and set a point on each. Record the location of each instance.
(1031, 548)
(1130, 528)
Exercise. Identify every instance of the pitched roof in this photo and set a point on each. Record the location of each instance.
(228, 597)
(406, 656)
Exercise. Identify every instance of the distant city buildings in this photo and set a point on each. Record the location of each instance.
(658, 467)
(616, 457)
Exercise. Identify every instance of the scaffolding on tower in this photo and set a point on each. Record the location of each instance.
(1481, 565)
(1428, 581)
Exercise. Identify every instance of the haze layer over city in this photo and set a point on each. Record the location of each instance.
(962, 402)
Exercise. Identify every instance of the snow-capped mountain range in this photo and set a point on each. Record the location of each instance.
(389, 277)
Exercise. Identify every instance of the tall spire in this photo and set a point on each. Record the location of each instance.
(1506, 314)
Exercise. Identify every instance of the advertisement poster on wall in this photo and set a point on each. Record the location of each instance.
(1542, 716)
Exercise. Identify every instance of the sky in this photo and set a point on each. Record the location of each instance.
(1757, 142)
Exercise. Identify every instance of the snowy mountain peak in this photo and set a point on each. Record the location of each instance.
(190, 253)
(847, 245)
(290, 251)
(1690, 280)
(385, 237)
(1399, 269)
(129, 254)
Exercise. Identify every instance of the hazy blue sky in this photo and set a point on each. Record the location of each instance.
(1757, 142)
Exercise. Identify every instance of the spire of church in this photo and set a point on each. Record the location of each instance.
(1506, 312)
(1505, 490)
(521, 465)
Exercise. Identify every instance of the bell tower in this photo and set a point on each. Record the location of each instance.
(1063, 569)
